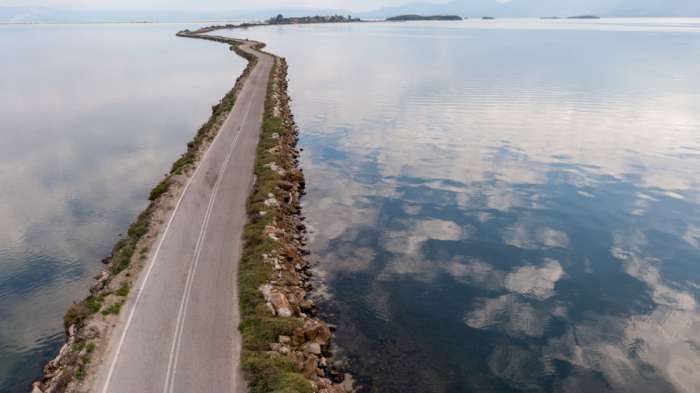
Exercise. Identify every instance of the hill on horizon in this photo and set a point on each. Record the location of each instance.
(470, 8)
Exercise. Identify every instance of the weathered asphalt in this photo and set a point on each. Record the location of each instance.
(178, 332)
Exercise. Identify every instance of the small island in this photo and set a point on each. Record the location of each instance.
(551, 17)
(403, 18)
(488, 18)
(584, 17)
(275, 20)
(281, 20)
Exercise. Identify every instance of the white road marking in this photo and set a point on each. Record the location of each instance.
(154, 259)
(182, 314)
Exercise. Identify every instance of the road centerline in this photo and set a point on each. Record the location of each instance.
(153, 261)
(175, 350)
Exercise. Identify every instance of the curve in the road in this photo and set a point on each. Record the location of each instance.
(181, 332)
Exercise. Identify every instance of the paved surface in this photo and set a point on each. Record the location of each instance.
(179, 331)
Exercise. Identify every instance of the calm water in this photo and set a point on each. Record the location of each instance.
(506, 206)
(91, 117)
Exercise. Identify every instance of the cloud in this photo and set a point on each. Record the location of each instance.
(626, 249)
(508, 314)
(537, 282)
(224, 5)
(520, 235)
(410, 240)
(692, 236)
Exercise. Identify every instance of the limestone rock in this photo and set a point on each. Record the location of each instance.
(281, 304)
(271, 202)
(317, 331)
(309, 369)
(284, 339)
(312, 347)
(348, 383)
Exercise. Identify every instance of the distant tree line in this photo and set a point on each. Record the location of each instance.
(281, 19)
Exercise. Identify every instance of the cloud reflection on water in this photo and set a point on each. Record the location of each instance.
(92, 117)
(467, 187)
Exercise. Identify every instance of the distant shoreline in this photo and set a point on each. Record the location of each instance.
(230, 22)
(404, 18)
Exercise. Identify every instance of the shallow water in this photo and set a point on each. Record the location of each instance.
(92, 117)
(504, 206)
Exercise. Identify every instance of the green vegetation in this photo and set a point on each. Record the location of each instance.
(94, 303)
(159, 190)
(79, 311)
(123, 289)
(85, 361)
(75, 366)
(80, 353)
(114, 308)
(125, 248)
(281, 20)
(275, 374)
(276, 20)
(80, 374)
(122, 259)
(264, 372)
(77, 346)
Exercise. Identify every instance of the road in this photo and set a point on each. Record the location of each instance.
(179, 330)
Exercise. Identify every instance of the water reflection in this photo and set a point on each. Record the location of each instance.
(506, 207)
(92, 117)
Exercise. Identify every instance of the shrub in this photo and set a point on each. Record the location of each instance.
(123, 289)
(114, 308)
(80, 374)
(94, 303)
(273, 373)
(159, 190)
(123, 258)
(77, 313)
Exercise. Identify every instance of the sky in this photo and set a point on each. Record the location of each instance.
(463, 7)
(352, 5)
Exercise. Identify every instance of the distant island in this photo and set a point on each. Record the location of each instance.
(281, 20)
(488, 18)
(584, 17)
(402, 18)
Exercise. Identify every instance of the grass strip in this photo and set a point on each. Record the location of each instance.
(265, 372)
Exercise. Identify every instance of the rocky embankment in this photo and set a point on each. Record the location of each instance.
(287, 291)
(285, 347)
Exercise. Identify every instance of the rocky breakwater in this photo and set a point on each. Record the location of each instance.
(285, 347)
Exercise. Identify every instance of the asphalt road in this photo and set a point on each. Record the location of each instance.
(179, 330)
